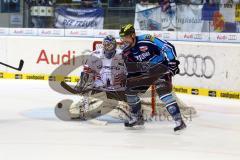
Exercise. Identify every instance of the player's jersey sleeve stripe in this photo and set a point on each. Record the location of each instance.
(172, 52)
(156, 59)
(167, 47)
(149, 42)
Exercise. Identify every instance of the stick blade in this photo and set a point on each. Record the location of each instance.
(68, 88)
(21, 65)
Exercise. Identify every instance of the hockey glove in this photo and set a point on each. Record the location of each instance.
(173, 67)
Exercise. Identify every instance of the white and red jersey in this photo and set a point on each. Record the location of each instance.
(108, 73)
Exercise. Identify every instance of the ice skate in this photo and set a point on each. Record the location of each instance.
(136, 120)
(180, 126)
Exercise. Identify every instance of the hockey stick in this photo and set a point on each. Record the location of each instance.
(19, 67)
(68, 88)
(73, 90)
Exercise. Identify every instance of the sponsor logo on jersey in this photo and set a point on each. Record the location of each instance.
(143, 48)
(109, 67)
(149, 37)
(142, 56)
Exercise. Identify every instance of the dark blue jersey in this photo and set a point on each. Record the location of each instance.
(150, 49)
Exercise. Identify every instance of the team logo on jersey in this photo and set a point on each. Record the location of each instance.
(149, 37)
(143, 48)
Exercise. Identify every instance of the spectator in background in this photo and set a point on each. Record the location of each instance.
(168, 6)
(127, 3)
(42, 18)
(91, 3)
(114, 3)
(144, 2)
(164, 4)
(121, 3)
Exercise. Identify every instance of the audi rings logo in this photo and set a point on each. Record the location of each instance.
(196, 65)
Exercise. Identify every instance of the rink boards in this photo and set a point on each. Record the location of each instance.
(209, 69)
(179, 89)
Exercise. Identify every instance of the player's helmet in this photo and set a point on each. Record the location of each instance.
(109, 46)
(126, 30)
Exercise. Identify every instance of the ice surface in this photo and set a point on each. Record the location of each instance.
(30, 131)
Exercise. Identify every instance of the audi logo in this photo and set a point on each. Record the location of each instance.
(196, 65)
(232, 37)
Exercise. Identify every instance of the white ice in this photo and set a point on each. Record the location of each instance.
(30, 131)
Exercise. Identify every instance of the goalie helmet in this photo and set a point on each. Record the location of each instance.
(109, 46)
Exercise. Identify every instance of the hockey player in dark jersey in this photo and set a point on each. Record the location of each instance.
(146, 48)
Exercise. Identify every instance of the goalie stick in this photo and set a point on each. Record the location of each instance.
(69, 88)
(19, 68)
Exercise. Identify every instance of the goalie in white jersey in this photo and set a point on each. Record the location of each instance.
(105, 68)
(104, 75)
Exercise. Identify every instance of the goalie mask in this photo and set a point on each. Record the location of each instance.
(109, 46)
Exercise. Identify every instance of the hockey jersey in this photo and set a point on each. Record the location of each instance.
(150, 49)
(107, 73)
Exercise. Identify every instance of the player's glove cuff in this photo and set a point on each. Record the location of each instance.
(173, 67)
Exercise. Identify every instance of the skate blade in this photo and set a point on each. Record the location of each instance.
(179, 132)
